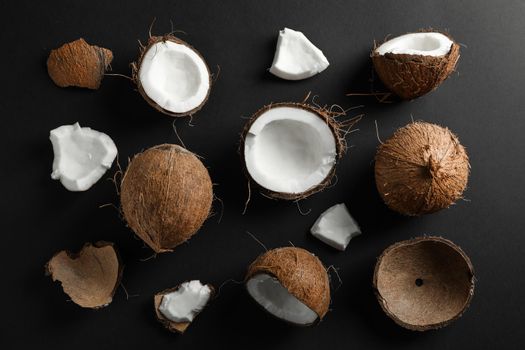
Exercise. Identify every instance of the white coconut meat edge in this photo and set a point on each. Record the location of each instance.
(174, 76)
(336, 227)
(296, 57)
(270, 294)
(183, 304)
(81, 156)
(423, 44)
(289, 150)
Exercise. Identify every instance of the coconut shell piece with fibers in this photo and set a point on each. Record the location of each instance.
(424, 283)
(421, 169)
(91, 276)
(79, 64)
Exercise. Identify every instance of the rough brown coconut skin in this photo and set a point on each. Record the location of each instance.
(411, 76)
(91, 276)
(434, 260)
(78, 64)
(135, 69)
(300, 272)
(421, 169)
(166, 195)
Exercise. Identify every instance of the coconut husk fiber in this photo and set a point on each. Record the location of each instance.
(424, 283)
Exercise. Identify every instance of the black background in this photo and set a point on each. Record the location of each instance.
(482, 103)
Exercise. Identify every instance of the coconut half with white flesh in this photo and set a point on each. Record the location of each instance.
(82, 156)
(172, 76)
(296, 58)
(177, 307)
(414, 64)
(290, 283)
(336, 227)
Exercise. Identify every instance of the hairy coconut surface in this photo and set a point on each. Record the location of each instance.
(421, 169)
(78, 64)
(166, 194)
(424, 283)
(413, 69)
(300, 272)
(89, 277)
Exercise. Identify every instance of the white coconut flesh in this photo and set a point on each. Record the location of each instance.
(82, 156)
(336, 227)
(270, 294)
(183, 304)
(424, 44)
(296, 57)
(174, 76)
(289, 150)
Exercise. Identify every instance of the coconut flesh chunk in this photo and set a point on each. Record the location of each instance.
(296, 57)
(423, 44)
(289, 150)
(336, 227)
(184, 303)
(174, 76)
(82, 156)
(270, 294)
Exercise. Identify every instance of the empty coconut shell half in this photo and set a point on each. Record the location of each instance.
(91, 276)
(290, 283)
(421, 169)
(424, 283)
(166, 194)
(414, 64)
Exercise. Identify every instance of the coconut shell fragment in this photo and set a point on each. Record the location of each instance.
(424, 283)
(91, 276)
(421, 169)
(79, 64)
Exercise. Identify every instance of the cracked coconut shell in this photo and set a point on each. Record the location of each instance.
(300, 272)
(424, 283)
(79, 64)
(91, 276)
(421, 169)
(166, 195)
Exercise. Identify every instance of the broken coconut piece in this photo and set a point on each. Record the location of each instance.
(336, 227)
(82, 156)
(421, 169)
(414, 64)
(177, 307)
(78, 64)
(296, 58)
(172, 76)
(424, 283)
(291, 284)
(89, 277)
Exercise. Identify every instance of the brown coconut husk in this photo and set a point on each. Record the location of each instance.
(135, 68)
(91, 276)
(300, 272)
(166, 195)
(421, 169)
(424, 283)
(79, 64)
(176, 327)
(411, 76)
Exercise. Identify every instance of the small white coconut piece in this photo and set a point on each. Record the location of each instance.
(425, 44)
(82, 156)
(296, 58)
(336, 227)
(183, 304)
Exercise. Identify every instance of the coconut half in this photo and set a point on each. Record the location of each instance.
(172, 76)
(336, 227)
(82, 156)
(414, 64)
(291, 284)
(89, 277)
(296, 58)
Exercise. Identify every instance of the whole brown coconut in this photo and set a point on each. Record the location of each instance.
(424, 283)
(166, 194)
(421, 169)
(78, 64)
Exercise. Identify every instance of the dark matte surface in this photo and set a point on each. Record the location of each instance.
(483, 104)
